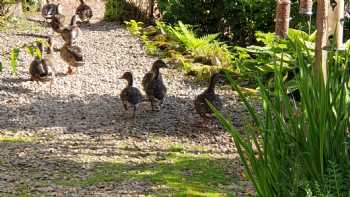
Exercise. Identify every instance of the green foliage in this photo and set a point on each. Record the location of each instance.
(134, 27)
(299, 149)
(238, 19)
(31, 5)
(114, 10)
(1, 65)
(30, 48)
(13, 59)
(260, 60)
(123, 10)
(206, 46)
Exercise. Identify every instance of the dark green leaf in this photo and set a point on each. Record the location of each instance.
(13, 59)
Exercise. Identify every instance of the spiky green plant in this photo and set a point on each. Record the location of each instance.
(298, 149)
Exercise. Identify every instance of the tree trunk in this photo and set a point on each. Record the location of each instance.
(305, 7)
(282, 18)
(320, 66)
(151, 9)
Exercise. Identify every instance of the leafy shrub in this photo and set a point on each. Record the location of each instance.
(241, 17)
(260, 60)
(123, 10)
(299, 149)
(134, 27)
(206, 47)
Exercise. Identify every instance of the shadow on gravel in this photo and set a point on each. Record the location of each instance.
(15, 89)
(95, 114)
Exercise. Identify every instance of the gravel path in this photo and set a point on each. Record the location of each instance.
(82, 121)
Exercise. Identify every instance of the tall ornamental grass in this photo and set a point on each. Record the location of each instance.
(299, 148)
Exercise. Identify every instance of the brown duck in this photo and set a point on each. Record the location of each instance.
(200, 102)
(71, 33)
(130, 95)
(72, 55)
(153, 83)
(84, 12)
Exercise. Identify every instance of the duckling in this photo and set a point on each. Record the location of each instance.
(153, 83)
(48, 58)
(130, 95)
(72, 55)
(49, 10)
(200, 103)
(84, 12)
(39, 68)
(71, 33)
(57, 20)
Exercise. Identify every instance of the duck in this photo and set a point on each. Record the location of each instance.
(130, 96)
(200, 103)
(72, 55)
(71, 33)
(49, 10)
(57, 20)
(153, 84)
(84, 12)
(39, 67)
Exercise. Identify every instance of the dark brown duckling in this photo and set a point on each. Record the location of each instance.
(84, 12)
(200, 102)
(39, 68)
(72, 55)
(153, 83)
(71, 33)
(57, 20)
(130, 95)
(49, 10)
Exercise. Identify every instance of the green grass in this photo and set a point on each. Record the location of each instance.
(180, 174)
(19, 25)
(16, 139)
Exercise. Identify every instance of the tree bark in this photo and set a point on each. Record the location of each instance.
(320, 66)
(305, 7)
(151, 9)
(282, 18)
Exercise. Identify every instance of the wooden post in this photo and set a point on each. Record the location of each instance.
(320, 66)
(339, 17)
(305, 7)
(335, 23)
(282, 18)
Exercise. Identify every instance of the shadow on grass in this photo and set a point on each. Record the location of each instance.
(31, 172)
